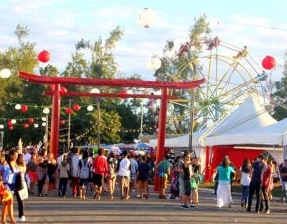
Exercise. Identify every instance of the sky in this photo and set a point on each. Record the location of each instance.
(56, 25)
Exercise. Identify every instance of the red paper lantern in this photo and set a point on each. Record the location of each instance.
(63, 90)
(31, 120)
(124, 92)
(69, 110)
(9, 123)
(62, 122)
(268, 62)
(77, 107)
(26, 125)
(24, 108)
(10, 127)
(44, 56)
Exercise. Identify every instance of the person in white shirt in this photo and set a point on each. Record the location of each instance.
(245, 178)
(124, 176)
(26, 155)
(75, 172)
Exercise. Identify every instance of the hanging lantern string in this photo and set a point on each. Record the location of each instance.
(50, 106)
(20, 119)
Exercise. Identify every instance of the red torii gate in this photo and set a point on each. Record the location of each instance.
(56, 100)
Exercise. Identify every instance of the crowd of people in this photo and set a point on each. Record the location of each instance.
(88, 174)
(255, 177)
(78, 169)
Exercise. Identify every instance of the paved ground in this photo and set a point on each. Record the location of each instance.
(52, 209)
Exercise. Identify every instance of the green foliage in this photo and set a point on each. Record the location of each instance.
(280, 95)
(184, 67)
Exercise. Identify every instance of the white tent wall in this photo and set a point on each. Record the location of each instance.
(277, 154)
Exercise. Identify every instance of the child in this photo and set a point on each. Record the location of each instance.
(7, 201)
(194, 182)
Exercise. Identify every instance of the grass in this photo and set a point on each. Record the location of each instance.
(277, 191)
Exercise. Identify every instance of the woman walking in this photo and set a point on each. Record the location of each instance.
(245, 178)
(224, 187)
(111, 178)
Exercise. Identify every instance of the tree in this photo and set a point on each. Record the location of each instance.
(184, 65)
(280, 95)
(21, 58)
(99, 62)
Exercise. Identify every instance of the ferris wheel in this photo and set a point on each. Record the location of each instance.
(231, 74)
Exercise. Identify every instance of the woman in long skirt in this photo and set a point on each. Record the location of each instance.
(224, 188)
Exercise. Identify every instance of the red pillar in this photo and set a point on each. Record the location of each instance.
(160, 152)
(207, 164)
(55, 119)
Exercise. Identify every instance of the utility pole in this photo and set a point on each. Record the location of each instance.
(69, 128)
(99, 122)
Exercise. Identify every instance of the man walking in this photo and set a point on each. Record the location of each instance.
(256, 181)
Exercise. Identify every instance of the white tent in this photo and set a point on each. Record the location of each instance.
(180, 141)
(247, 116)
(271, 135)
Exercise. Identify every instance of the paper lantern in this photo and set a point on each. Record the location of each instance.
(18, 107)
(69, 110)
(63, 90)
(46, 110)
(146, 18)
(13, 121)
(26, 125)
(31, 120)
(5, 73)
(154, 63)
(77, 107)
(90, 108)
(1, 126)
(10, 127)
(24, 108)
(9, 122)
(268, 62)
(95, 90)
(36, 125)
(123, 92)
(44, 56)
(62, 122)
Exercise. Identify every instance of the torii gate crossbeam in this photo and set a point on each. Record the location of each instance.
(56, 101)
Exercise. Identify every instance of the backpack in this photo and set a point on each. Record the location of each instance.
(85, 171)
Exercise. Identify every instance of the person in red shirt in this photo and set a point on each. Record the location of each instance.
(266, 184)
(100, 170)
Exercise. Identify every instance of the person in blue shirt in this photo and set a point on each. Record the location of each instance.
(224, 187)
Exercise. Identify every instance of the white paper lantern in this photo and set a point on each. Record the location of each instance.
(154, 63)
(130, 92)
(90, 108)
(17, 106)
(44, 119)
(46, 110)
(1, 126)
(13, 121)
(95, 90)
(5, 73)
(36, 125)
(146, 18)
(44, 124)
